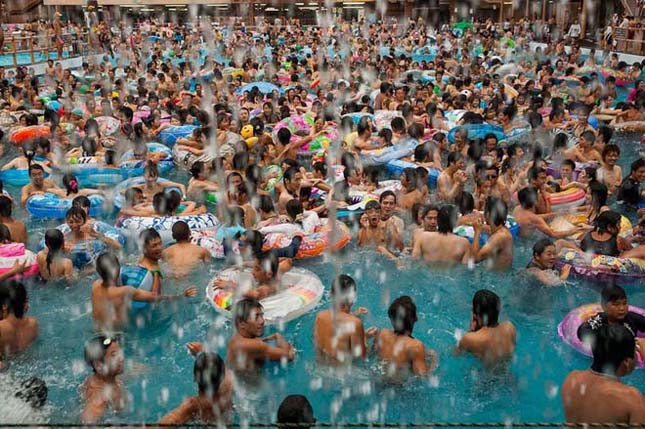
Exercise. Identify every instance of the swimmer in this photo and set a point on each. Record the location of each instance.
(498, 250)
(584, 151)
(542, 265)
(247, 350)
(597, 394)
(530, 222)
(82, 231)
(387, 200)
(376, 233)
(442, 247)
(292, 180)
(398, 347)
(183, 256)
(610, 174)
(52, 265)
(111, 301)
(38, 185)
(489, 340)
(338, 333)
(150, 187)
(214, 391)
(631, 189)
(296, 410)
(265, 273)
(16, 227)
(103, 389)
(452, 179)
(17, 331)
(613, 301)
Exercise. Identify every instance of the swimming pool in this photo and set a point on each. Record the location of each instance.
(160, 369)
(24, 58)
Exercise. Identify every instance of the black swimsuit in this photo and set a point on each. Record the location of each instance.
(608, 247)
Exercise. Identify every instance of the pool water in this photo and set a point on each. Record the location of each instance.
(159, 368)
(24, 58)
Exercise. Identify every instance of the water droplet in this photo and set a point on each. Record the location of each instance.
(551, 389)
(316, 383)
(165, 394)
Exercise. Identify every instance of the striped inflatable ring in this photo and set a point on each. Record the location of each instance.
(12, 252)
(568, 199)
(131, 227)
(300, 125)
(50, 206)
(119, 191)
(313, 244)
(602, 268)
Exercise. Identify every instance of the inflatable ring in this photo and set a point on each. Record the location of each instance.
(300, 125)
(396, 167)
(23, 134)
(468, 232)
(17, 252)
(568, 199)
(382, 156)
(360, 198)
(169, 136)
(108, 125)
(131, 227)
(16, 177)
(185, 159)
(138, 277)
(134, 167)
(383, 118)
(119, 190)
(313, 244)
(478, 131)
(139, 115)
(565, 222)
(568, 328)
(303, 292)
(97, 226)
(50, 206)
(602, 268)
(84, 253)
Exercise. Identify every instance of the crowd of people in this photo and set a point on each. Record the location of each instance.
(540, 141)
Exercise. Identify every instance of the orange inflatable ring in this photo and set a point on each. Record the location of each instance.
(22, 134)
(567, 199)
(314, 244)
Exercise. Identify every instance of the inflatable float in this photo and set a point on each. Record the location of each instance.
(301, 291)
(131, 167)
(11, 253)
(383, 156)
(566, 222)
(314, 244)
(566, 200)
(23, 134)
(478, 131)
(131, 227)
(468, 232)
(169, 136)
(16, 177)
(119, 191)
(630, 127)
(568, 328)
(99, 227)
(396, 167)
(137, 277)
(108, 125)
(300, 126)
(50, 206)
(602, 268)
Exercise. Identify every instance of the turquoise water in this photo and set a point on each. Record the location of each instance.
(24, 58)
(159, 372)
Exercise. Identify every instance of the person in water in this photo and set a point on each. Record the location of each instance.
(111, 301)
(265, 273)
(103, 390)
(38, 185)
(18, 229)
(397, 347)
(615, 311)
(52, 265)
(339, 333)
(542, 264)
(374, 232)
(498, 250)
(443, 246)
(247, 349)
(296, 410)
(183, 256)
(597, 394)
(489, 340)
(17, 331)
(18, 267)
(214, 382)
(82, 231)
(530, 222)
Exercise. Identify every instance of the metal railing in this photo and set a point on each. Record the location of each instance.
(40, 47)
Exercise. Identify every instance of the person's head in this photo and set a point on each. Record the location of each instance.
(37, 175)
(587, 139)
(608, 222)
(597, 195)
(108, 268)
(150, 173)
(5, 206)
(75, 218)
(456, 160)
(613, 349)
(296, 409)
(387, 200)
(151, 243)
(486, 307)
(249, 318)
(13, 298)
(373, 212)
(33, 391)
(637, 170)
(105, 356)
(567, 168)
(430, 216)
(544, 253)
(537, 176)
(446, 219)
(181, 231)
(343, 291)
(54, 240)
(197, 170)
(292, 179)
(266, 268)
(133, 196)
(613, 300)
(208, 373)
(70, 183)
(294, 208)
(495, 211)
(403, 315)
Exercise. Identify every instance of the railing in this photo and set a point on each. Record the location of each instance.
(75, 45)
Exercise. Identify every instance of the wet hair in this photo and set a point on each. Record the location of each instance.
(465, 202)
(343, 289)
(76, 212)
(13, 295)
(560, 141)
(607, 219)
(611, 293)
(54, 240)
(486, 306)
(453, 157)
(208, 373)
(5, 234)
(610, 148)
(403, 315)
(108, 267)
(243, 308)
(289, 174)
(606, 133)
(589, 136)
(386, 194)
(180, 231)
(398, 124)
(265, 204)
(496, 210)
(599, 193)
(270, 263)
(110, 157)
(196, 169)
(296, 409)
(284, 136)
(540, 246)
(161, 203)
(320, 167)
(89, 146)
(446, 219)
(130, 193)
(294, 208)
(527, 197)
(95, 349)
(151, 169)
(33, 391)
(33, 167)
(639, 163)
(70, 182)
(148, 235)
(568, 163)
(611, 346)
(5, 206)
(421, 152)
